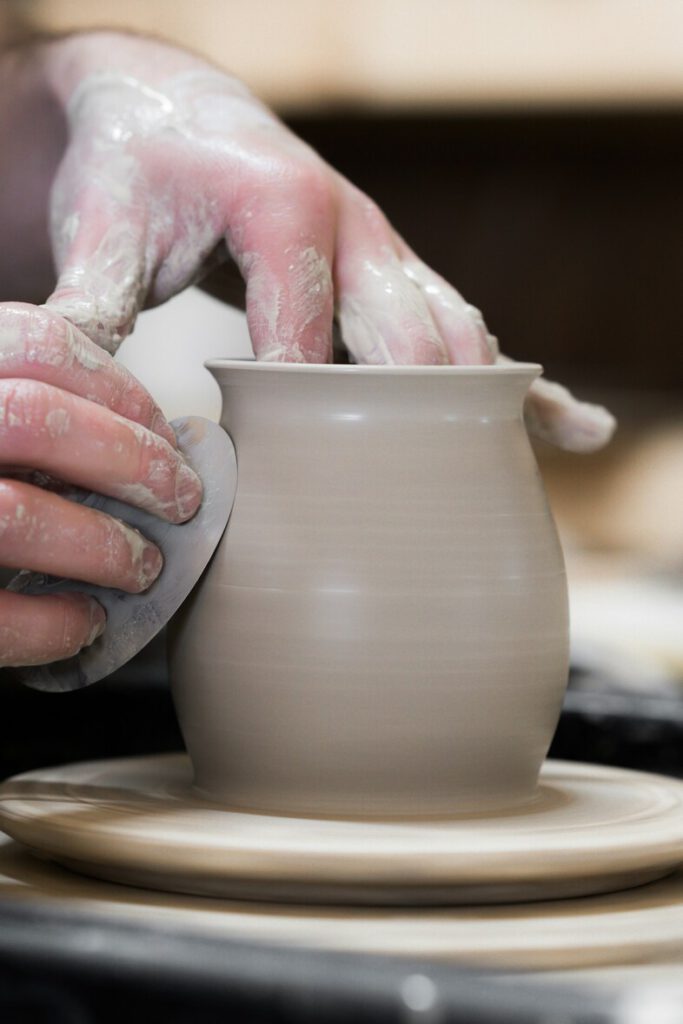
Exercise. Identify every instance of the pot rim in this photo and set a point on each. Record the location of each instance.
(367, 369)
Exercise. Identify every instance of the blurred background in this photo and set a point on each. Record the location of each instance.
(532, 152)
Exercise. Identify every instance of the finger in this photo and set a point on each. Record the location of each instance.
(84, 444)
(283, 247)
(46, 533)
(383, 315)
(38, 344)
(554, 415)
(99, 237)
(460, 324)
(38, 630)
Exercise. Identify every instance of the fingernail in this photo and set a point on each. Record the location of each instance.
(603, 419)
(98, 621)
(188, 492)
(152, 564)
(162, 427)
(476, 316)
(595, 426)
(493, 346)
(488, 343)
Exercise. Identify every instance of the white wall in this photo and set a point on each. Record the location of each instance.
(168, 348)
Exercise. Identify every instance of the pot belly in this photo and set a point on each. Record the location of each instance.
(433, 698)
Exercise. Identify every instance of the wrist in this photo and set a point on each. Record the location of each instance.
(32, 141)
(69, 61)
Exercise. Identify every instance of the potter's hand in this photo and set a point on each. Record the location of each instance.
(173, 166)
(69, 412)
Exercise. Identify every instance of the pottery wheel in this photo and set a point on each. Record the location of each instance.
(590, 829)
(640, 927)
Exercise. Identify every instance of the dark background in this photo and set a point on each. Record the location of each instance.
(565, 229)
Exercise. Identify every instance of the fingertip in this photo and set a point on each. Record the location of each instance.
(483, 345)
(152, 563)
(297, 349)
(188, 492)
(98, 621)
(592, 427)
(40, 629)
(554, 415)
(84, 621)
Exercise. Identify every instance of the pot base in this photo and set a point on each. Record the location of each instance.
(591, 829)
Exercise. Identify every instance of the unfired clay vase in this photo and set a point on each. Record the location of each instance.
(383, 629)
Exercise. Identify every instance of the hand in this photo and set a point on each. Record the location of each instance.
(68, 411)
(173, 166)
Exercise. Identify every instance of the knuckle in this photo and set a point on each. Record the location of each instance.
(43, 334)
(305, 176)
(314, 181)
(46, 340)
(9, 499)
(129, 397)
(24, 331)
(373, 216)
(106, 319)
(66, 348)
(17, 514)
(24, 404)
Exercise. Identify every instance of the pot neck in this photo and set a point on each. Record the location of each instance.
(356, 392)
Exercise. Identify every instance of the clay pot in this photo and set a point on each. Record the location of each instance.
(383, 629)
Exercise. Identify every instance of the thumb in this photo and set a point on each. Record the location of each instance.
(554, 415)
(99, 242)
